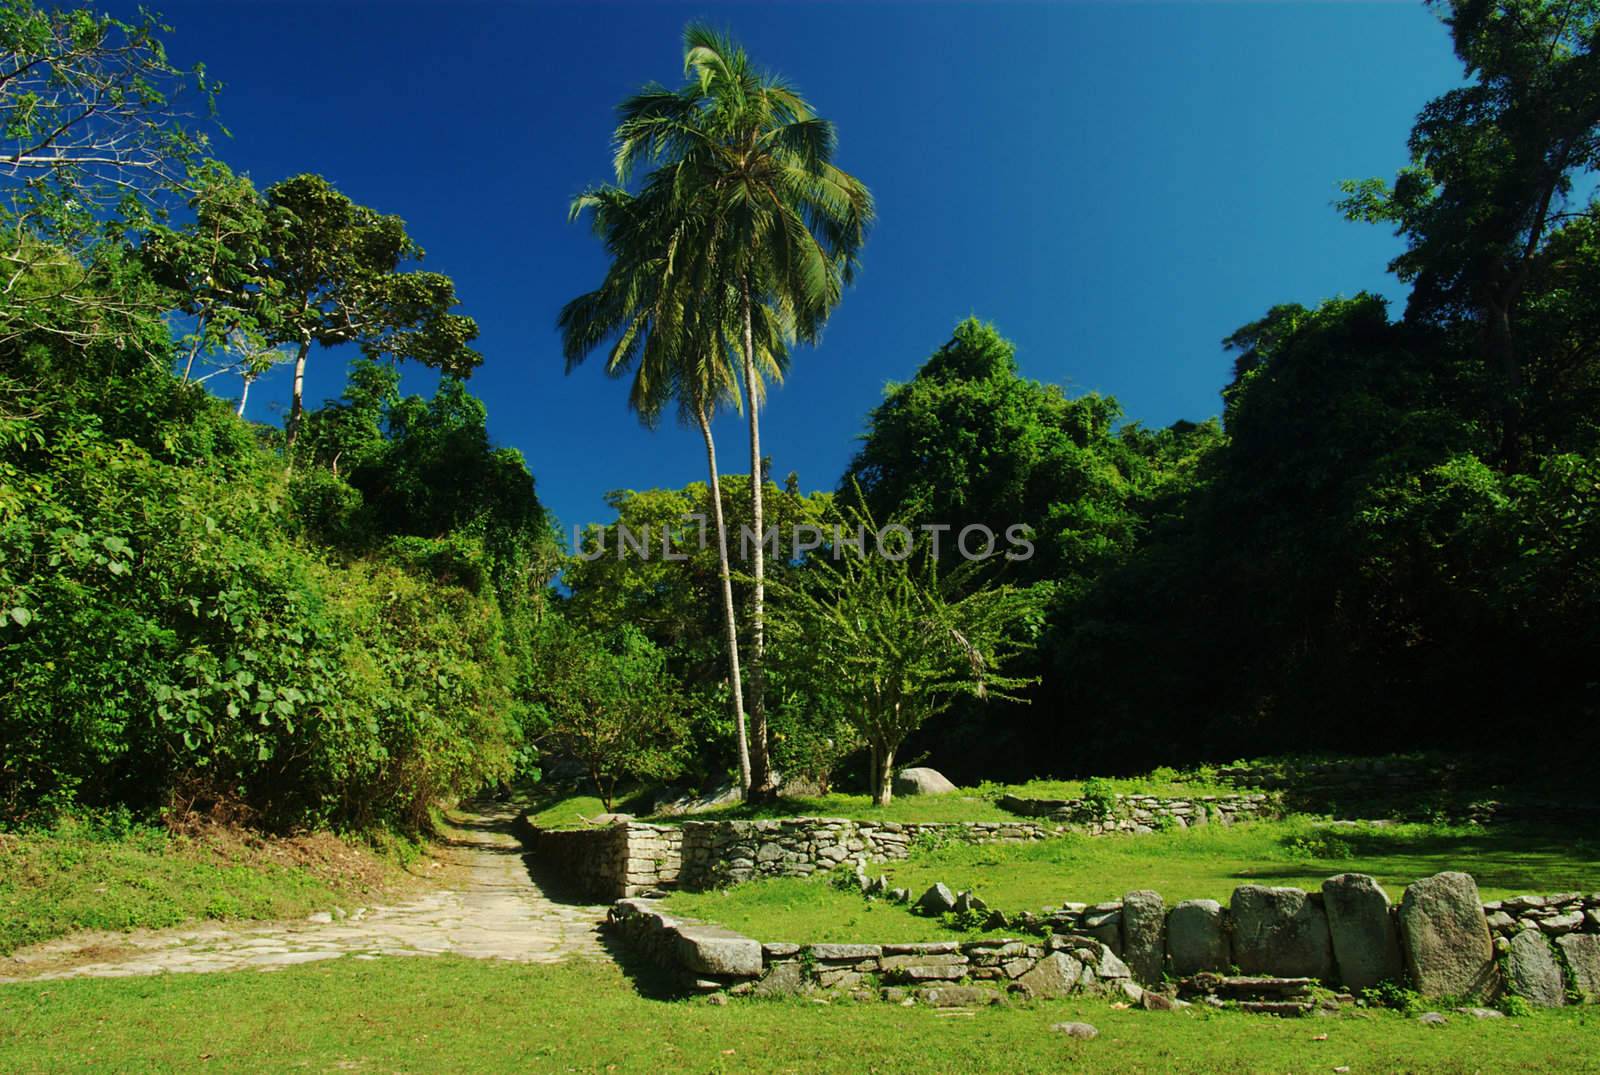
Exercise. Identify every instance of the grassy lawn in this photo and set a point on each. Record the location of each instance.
(803, 910)
(1198, 863)
(82, 875)
(449, 1014)
(1212, 861)
(964, 804)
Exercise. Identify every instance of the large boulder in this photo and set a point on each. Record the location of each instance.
(783, 980)
(1532, 972)
(1197, 938)
(718, 952)
(1582, 952)
(1280, 931)
(937, 900)
(1445, 938)
(1056, 975)
(921, 781)
(1144, 942)
(1365, 943)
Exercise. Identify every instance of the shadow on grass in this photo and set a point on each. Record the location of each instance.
(1497, 856)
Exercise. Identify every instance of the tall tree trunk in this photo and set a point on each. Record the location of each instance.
(761, 786)
(1503, 361)
(730, 624)
(297, 400)
(883, 787)
(245, 395)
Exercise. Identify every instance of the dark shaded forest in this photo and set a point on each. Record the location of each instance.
(1389, 540)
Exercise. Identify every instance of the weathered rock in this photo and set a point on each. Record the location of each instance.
(1128, 988)
(1144, 919)
(1531, 970)
(1056, 975)
(959, 996)
(1481, 1013)
(1561, 924)
(1432, 1019)
(1365, 943)
(841, 952)
(1280, 931)
(1082, 1031)
(922, 781)
(1105, 964)
(1582, 951)
(782, 980)
(609, 819)
(1160, 1002)
(937, 900)
(1445, 938)
(1197, 939)
(714, 950)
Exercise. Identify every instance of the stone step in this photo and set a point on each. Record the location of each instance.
(1291, 1009)
(1246, 987)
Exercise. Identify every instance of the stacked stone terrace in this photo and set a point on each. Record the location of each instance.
(1276, 944)
(631, 858)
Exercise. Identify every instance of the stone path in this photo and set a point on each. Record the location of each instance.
(497, 912)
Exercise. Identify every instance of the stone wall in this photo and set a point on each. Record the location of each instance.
(631, 858)
(608, 863)
(1440, 939)
(717, 853)
(707, 959)
(1146, 813)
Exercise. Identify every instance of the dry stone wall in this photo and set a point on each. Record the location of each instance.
(717, 853)
(707, 958)
(623, 859)
(1348, 935)
(629, 858)
(1141, 814)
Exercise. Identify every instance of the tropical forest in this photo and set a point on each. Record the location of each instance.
(486, 537)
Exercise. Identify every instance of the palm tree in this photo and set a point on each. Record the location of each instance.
(672, 320)
(754, 161)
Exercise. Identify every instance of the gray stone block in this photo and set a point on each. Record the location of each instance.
(1366, 944)
(1280, 931)
(1197, 938)
(1445, 938)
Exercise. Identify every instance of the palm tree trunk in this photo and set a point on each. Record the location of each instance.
(760, 765)
(297, 401)
(883, 786)
(245, 395)
(728, 620)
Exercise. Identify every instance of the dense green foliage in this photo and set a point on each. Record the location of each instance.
(1390, 540)
(186, 620)
(1387, 541)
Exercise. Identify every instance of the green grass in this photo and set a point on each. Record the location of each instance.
(446, 1014)
(804, 910)
(1199, 863)
(964, 804)
(564, 812)
(82, 875)
(1210, 862)
(1162, 782)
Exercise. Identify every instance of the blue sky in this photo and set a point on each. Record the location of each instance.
(1115, 186)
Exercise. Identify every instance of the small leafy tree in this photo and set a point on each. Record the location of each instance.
(899, 643)
(612, 705)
